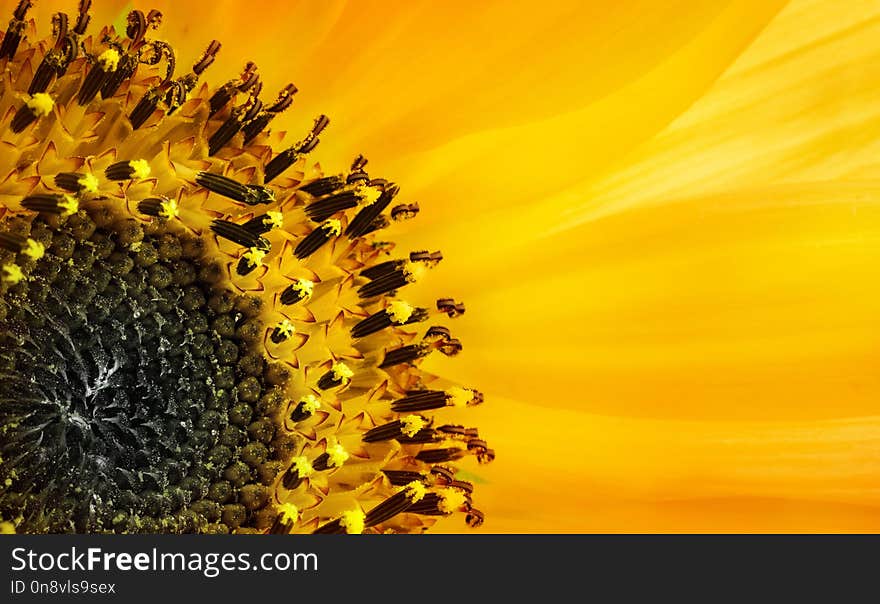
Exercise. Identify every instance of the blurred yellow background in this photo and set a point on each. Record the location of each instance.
(663, 217)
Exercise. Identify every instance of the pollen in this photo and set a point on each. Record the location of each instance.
(411, 424)
(254, 256)
(399, 311)
(416, 491)
(341, 372)
(302, 466)
(289, 513)
(109, 59)
(353, 522)
(337, 454)
(460, 397)
(69, 205)
(168, 209)
(275, 219)
(451, 500)
(89, 183)
(140, 169)
(310, 403)
(12, 274)
(41, 104)
(34, 249)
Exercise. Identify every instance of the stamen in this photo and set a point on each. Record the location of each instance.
(255, 126)
(105, 64)
(405, 429)
(22, 245)
(396, 504)
(420, 400)
(299, 470)
(76, 183)
(404, 211)
(58, 58)
(282, 331)
(317, 238)
(288, 514)
(351, 522)
(383, 269)
(224, 94)
(228, 187)
(405, 354)
(288, 157)
(15, 32)
(236, 233)
(363, 219)
(159, 207)
(474, 517)
(64, 205)
(39, 105)
(250, 260)
(325, 207)
(449, 306)
(458, 431)
(297, 291)
(403, 477)
(440, 455)
(137, 169)
(238, 117)
(334, 457)
(259, 225)
(305, 407)
(338, 374)
(396, 313)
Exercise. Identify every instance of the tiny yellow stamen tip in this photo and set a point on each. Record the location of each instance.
(451, 500)
(337, 454)
(304, 287)
(34, 249)
(276, 219)
(399, 311)
(286, 328)
(69, 205)
(341, 371)
(332, 226)
(353, 522)
(41, 104)
(369, 195)
(140, 169)
(89, 183)
(310, 403)
(303, 466)
(169, 209)
(415, 491)
(109, 60)
(254, 256)
(288, 512)
(411, 424)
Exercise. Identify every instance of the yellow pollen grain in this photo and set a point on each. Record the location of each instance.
(89, 183)
(337, 454)
(168, 209)
(459, 397)
(69, 205)
(12, 274)
(275, 219)
(399, 311)
(140, 169)
(353, 522)
(416, 491)
(303, 466)
(304, 287)
(332, 226)
(41, 104)
(254, 256)
(411, 424)
(109, 60)
(286, 328)
(310, 403)
(368, 195)
(34, 249)
(288, 512)
(341, 371)
(451, 500)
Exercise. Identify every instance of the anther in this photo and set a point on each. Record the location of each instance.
(105, 64)
(236, 233)
(15, 32)
(282, 331)
(396, 504)
(333, 457)
(159, 207)
(76, 182)
(450, 307)
(22, 245)
(396, 313)
(400, 478)
(228, 187)
(288, 157)
(323, 186)
(338, 375)
(360, 224)
(327, 206)
(63, 205)
(238, 117)
(39, 105)
(405, 428)
(137, 169)
(59, 57)
(297, 291)
(250, 260)
(224, 94)
(255, 126)
(287, 516)
(351, 522)
(262, 224)
(305, 407)
(317, 238)
(405, 211)
(300, 469)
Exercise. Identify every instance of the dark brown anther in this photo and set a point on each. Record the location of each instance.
(429, 505)
(474, 517)
(430, 259)
(331, 528)
(24, 117)
(322, 462)
(450, 307)
(245, 267)
(102, 67)
(237, 118)
(83, 18)
(422, 437)
(362, 221)
(458, 431)
(291, 295)
(316, 239)
(224, 94)
(380, 223)
(326, 207)
(50, 204)
(420, 400)
(288, 157)
(330, 380)
(123, 170)
(207, 57)
(481, 449)
(58, 58)
(15, 32)
(153, 206)
(323, 186)
(440, 455)
(12, 243)
(388, 431)
(442, 475)
(400, 478)
(281, 525)
(279, 335)
(405, 211)
(301, 412)
(383, 269)
(380, 320)
(236, 233)
(228, 187)
(388, 509)
(384, 284)
(359, 163)
(292, 478)
(404, 354)
(255, 126)
(145, 107)
(259, 225)
(124, 70)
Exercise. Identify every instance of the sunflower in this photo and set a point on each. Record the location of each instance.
(202, 329)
